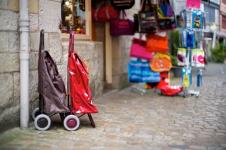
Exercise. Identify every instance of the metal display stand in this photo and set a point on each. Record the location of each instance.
(189, 67)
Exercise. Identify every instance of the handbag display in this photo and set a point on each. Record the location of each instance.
(138, 49)
(104, 12)
(161, 62)
(165, 16)
(122, 4)
(122, 26)
(140, 71)
(147, 22)
(157, 43)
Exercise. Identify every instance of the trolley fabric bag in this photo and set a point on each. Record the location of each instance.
(138, 49)
(122, 4)
(157, 43)
(51, 87)
(81, 97)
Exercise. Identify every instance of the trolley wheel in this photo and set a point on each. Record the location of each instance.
(71, 123)
(42, 122)
(35, 113)
(91, 121)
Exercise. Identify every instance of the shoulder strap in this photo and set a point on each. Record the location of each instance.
(41, 42)
(144, 2)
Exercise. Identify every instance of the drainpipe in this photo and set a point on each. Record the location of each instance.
(24, 63)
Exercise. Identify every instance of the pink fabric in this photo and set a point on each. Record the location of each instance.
(138, 49)
(193, 4)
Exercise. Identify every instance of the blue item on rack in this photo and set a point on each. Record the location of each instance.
(188, 39)
(139, 71)
(199, 78)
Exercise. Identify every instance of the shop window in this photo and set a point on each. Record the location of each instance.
(76, 16)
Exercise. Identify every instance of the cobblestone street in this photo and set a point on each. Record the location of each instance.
(129, 120)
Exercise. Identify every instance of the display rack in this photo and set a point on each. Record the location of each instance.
(190, 66)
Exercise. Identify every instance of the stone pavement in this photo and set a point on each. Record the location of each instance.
(129, 120)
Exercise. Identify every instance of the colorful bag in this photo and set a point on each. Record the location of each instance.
(157, 43)
(186, 77)
(181, 57)
(140, 71)
(122, 4)
(193, 4)
(165, 16)
(104, 12)
(147, 18)
(121, 26)
(138, 49)
(188, 39)
(198, 58)
(161, 62)
(197, 19)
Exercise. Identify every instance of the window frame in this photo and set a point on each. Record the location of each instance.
(88, 35)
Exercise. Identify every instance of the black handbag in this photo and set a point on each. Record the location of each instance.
(122, 4)
(147, 22)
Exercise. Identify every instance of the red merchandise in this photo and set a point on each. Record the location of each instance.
(80, 93)
(171, 90)
(164, 86)
(104, 12)
(157, 43)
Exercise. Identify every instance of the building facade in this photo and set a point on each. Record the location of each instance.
(107, 65)
(223, 16)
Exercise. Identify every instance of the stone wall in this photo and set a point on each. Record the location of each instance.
(44, 14)
(120, 54)
(9, 60)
